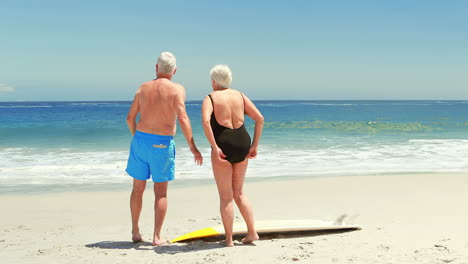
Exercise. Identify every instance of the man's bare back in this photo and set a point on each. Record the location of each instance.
(160, 102)
(158, 106)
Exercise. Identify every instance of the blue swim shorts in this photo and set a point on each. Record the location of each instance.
(153, 155)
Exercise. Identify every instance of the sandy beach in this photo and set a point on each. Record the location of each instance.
(405, 219)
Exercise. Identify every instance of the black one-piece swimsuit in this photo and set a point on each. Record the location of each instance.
(235, 143)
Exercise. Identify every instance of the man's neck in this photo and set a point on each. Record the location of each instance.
(164, 76)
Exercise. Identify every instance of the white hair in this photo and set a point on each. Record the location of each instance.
(166, 63)
(222, 75)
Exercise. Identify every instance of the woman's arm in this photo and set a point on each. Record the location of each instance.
(254, 113)
(207, 110)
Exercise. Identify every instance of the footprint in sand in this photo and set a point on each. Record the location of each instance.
(63, 228)
(383, 247)
(209, 260)
(23, 227)
(441, 247)
(41, 251)
(447, 260)
(213, 254)
(306, 255)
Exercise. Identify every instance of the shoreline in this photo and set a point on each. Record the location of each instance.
(44, 189)
(404, 219)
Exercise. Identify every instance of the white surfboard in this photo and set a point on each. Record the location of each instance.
(272, 226)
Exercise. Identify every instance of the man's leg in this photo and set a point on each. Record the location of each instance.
(160, 208)
(136, 202)
(242, 202)
(223, 175)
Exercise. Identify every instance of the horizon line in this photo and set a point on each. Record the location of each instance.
(256, 100)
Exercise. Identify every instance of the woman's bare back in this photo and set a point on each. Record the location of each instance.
(228, 108)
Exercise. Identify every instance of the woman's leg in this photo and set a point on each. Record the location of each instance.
(223, 175)
(242, 202)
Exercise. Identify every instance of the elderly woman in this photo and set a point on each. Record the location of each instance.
(223, 122)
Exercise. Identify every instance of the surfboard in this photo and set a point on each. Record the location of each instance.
(271, 226)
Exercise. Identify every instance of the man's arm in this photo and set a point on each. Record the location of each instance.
(184, 122)
(133, 113)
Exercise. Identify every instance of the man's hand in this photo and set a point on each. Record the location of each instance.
(197, 156)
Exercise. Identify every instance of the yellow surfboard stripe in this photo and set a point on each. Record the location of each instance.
(206, 232)
(271, 226)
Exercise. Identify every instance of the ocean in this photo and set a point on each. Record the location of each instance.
(80, 146)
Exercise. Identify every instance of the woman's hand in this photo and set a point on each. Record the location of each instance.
(220, 155)
(252, 153)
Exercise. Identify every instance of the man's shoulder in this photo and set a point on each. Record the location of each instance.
(147, 84)
(164, 84)
(170, 83)
(178, 87)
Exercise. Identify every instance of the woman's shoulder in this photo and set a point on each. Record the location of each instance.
(238, 92)
(225, 95)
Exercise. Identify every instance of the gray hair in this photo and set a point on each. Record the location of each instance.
(166, 63)
(222, 75)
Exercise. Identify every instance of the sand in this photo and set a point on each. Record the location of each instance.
(405, 219)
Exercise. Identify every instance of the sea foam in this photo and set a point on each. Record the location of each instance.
(64, 166)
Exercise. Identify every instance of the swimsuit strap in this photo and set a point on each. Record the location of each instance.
(211, 99)
(212, 113)
(243, 100)
(213, 117)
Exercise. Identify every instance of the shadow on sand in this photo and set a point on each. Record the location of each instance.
(171, 248)
(121, 245)
(207, 243)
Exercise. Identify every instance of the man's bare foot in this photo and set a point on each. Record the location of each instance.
(157, 241)
(249, 238)
(136, 237)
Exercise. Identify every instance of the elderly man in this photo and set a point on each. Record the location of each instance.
(160, 102)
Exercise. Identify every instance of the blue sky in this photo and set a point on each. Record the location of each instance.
(103, 50)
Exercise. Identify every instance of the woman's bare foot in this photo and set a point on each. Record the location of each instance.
(158, 241)
(136, 237)
(249, 238)
(227, 243)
